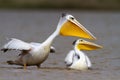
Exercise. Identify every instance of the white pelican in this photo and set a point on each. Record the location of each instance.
(37, 54)
(78, 60)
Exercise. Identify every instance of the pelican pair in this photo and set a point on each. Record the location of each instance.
(78, 60)
(35, 54)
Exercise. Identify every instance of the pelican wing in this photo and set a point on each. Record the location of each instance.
(69, 58)
(16, 44)
(88, 61)
(35, 44)
(52, 49)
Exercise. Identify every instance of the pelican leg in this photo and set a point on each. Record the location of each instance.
(38, 66)
(24, 66)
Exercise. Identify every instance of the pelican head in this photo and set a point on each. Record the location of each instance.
(81, 44)
(69, 26)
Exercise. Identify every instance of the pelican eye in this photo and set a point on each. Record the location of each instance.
(72, 18)
(81, 40)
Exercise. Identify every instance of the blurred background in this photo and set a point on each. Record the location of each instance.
(61, 4)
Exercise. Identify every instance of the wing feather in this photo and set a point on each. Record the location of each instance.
(16, 44)
(88, 61)
(35, 44)
(69, 58)
(52, 49)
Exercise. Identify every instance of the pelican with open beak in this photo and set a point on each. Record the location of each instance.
(32, 54)
(78, 60)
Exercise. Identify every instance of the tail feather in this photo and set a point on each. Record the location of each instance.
(13, 62)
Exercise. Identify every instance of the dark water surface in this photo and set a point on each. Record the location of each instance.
(36, 26)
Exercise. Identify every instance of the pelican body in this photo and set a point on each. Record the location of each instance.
(76, 59)
(35, 54)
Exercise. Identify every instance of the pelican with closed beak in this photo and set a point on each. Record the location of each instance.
(78, 60)
(33, 54)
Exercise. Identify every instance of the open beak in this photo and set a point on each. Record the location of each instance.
(71, 27)
(88, 46)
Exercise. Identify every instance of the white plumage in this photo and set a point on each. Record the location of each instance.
(69, 58)
(17, 44)
(78, 60)
(74, 60)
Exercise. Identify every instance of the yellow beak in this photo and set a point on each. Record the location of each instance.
(72, 27)
(85, 45)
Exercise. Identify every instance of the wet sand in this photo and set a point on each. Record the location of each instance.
(36, 26)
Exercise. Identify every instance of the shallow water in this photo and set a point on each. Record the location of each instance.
(36, 26)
